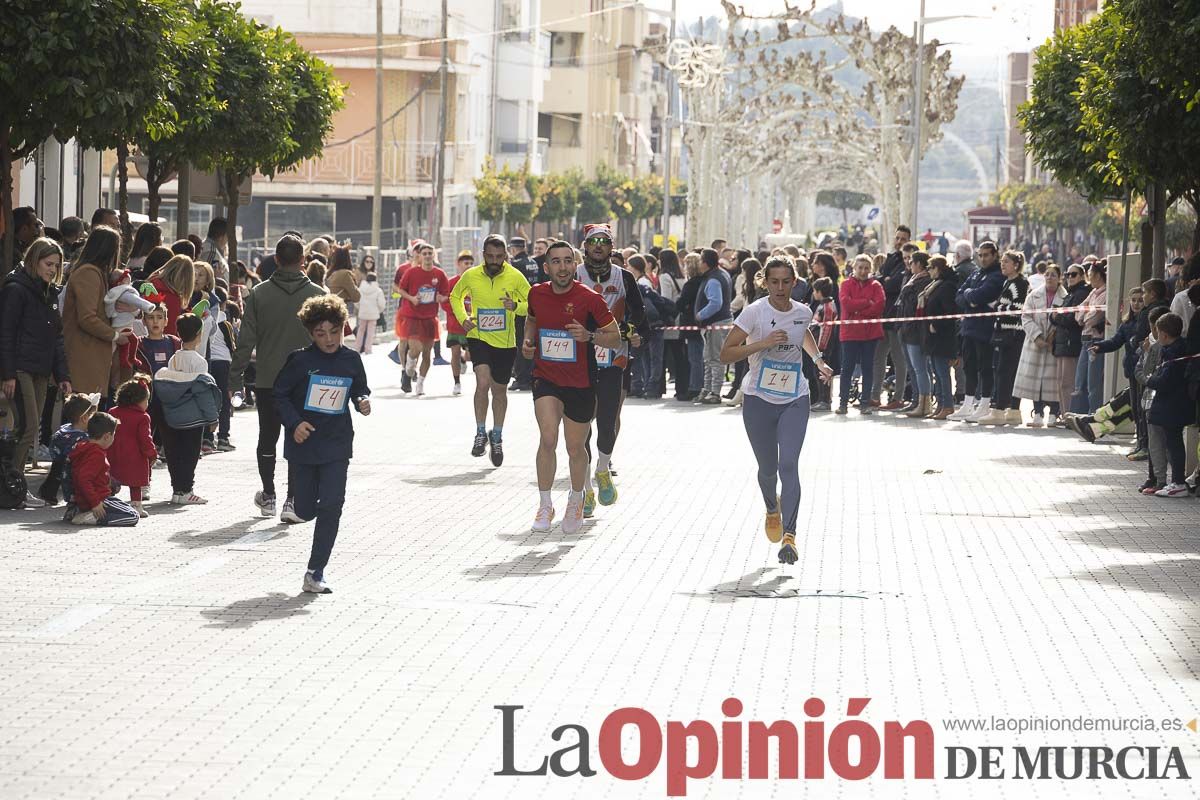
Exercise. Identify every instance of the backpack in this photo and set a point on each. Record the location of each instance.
(12, 477)
(660, 311)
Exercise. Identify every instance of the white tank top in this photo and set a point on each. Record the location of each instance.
(613, 291)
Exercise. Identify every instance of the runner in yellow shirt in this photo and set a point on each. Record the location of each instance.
(499, 293)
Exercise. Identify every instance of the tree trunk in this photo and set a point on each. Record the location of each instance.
(123, 199)
(232, 184)
(6, 188)
(153, 199)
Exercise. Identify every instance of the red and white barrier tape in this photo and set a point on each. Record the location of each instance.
(1059, 310)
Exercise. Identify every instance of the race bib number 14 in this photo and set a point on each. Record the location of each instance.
(327, 394)
(780, 378)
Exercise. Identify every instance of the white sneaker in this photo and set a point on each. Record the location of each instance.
(313, 585)
(995, 416)
(1171, 490)
(33, 501)
(545, 518)
(1015, 418)
(145, 494)
(419, 386)
(573, 516)
(1038, 421)
(142, 513)
(457, 389)
(965, 410)
(982, 409)
(266, 505)
(189, 499)
(87, 518)
(288, 514)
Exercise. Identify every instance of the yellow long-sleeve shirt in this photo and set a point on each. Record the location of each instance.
(494, 324)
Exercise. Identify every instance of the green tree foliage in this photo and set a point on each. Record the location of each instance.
(277, 102)
(845, 200)
(508, 195)
(84, 69)
(560, 196)
(594, 205)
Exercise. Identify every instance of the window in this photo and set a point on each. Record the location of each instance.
(199, 215)
(511, 17)
(312, 218)
(565, 49)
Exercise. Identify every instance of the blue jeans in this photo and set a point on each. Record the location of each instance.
(319, 490)
(857, 354)
(918, 367)
(941, 373)
(648, 365)
(1089, 380)
(695, 353)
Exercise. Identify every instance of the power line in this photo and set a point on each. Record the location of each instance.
(425, 85)
(482, 34)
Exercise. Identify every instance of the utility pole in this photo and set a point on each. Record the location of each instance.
(435, 219)
(668, 135)
(918, 112)
(377, 197)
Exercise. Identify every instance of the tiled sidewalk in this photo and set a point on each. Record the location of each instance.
(945, 571)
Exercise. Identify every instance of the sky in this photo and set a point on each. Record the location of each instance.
(1003, 26)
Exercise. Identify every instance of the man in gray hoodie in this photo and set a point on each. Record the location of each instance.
(270, 327)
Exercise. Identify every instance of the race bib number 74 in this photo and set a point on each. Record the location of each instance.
(327, 394)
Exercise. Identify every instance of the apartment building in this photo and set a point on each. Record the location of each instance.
(600, 91)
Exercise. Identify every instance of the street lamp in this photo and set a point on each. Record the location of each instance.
(919, 98)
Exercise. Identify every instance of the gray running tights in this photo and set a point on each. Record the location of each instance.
(777, 436)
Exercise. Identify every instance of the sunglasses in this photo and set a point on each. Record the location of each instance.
(1074, 274)
(597, 240)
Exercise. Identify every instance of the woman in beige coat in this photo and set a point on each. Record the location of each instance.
(89, 338)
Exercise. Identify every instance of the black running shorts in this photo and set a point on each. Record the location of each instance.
(498, 359)
(579, 405)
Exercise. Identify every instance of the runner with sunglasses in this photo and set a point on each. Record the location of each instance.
(566, 322)
(621, 294)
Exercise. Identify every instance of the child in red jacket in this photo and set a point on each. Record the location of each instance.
(133, 452)
(91, 481)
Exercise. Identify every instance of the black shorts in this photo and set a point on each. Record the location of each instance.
(498, 359)
(579, 405)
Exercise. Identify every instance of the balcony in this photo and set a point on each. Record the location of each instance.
(405, 164)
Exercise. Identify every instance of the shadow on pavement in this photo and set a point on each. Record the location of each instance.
(452, 479)
(523, 565)
(192, 540)
(244, 613)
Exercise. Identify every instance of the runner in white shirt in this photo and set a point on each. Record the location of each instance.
(773, 333)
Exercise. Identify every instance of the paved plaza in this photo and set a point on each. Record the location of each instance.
(946, 572)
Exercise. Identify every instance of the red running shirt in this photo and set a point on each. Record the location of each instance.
(452, 325)
(558, 358)
(426, 285)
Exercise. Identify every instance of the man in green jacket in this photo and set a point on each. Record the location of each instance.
(270, 327)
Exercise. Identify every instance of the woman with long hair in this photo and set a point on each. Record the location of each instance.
(940, 336)
(339, 276)
(31, 344)
(1066, 343)
(911, 335)
(773, 333)
(694, 343)
(670, 285)
(88, 337)
(1089, 373)
(176, 282)
(149, 236)
(1007, 341)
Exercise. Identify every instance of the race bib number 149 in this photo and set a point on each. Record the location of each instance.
(556, 345)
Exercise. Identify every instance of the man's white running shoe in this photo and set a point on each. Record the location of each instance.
(545, 518)
(1171, 490)
(419, 386)
(288, 514)
(457, 389)
(573, 516)
(266, 505)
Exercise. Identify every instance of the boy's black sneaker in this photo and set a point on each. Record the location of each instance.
(497, 449)
(481, 441)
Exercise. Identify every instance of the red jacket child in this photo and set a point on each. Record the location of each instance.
(862, 300)
(89, 475)
(132, 453)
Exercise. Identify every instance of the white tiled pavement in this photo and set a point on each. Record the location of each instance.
(944, 571)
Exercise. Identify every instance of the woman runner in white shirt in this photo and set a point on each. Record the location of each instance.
(773, 332)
